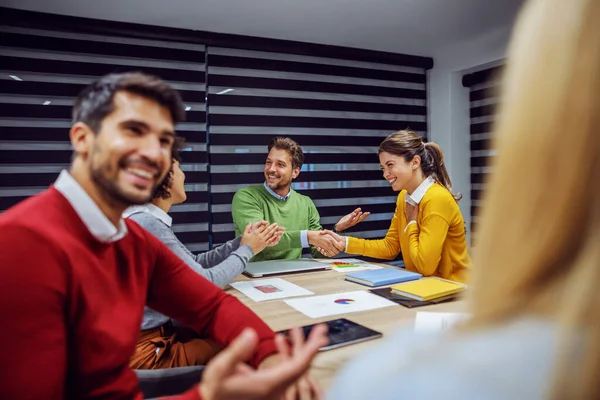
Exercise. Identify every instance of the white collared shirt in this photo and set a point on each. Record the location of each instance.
(415, 198)
(89, 212)
(150, 209)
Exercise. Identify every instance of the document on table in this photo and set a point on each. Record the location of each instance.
(436, 322)
(339, 303)
(348, 264)
(269, 289)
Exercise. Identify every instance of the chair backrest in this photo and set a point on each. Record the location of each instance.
(168, 382)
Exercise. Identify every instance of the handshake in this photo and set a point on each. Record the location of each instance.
(260, 235)
(327, 242)
(330, 243)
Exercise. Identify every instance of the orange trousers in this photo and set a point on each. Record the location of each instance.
(171, 346)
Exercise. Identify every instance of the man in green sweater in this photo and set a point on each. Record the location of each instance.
(276, 201)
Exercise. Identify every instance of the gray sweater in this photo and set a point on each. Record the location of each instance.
(220, 265)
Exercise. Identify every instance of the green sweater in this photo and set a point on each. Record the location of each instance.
(296, 214)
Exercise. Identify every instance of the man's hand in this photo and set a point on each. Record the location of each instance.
(340, 240)
(227, 377)
(411, 212)
(349, 220)
(305, 388)
(326, 244)
(260, 235)
(258, 225)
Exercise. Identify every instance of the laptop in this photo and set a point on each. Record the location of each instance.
(275, 267)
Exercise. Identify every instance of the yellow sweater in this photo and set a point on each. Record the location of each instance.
(435, 246)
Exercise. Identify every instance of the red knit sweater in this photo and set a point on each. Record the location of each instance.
(72, 306)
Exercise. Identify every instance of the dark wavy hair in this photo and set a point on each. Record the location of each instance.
(95, 101)
(162, 190)
(291, 147)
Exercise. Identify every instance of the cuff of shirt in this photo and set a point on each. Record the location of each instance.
(409, 224)
(304, 239)
(346, 248)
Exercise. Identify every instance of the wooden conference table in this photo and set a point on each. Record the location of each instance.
(279, 316)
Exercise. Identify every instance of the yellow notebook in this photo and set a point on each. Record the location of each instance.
(427, 289)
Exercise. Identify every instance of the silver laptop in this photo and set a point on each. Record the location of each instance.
(274, 267)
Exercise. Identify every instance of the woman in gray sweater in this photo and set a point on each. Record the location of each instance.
(163, 344)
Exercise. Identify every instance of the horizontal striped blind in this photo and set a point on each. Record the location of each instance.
(338, 110)
(483, 88)
(41, 73)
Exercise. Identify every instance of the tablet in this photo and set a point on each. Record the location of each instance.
(342, 332)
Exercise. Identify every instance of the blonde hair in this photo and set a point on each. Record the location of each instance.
(407, 144)
(538, 251)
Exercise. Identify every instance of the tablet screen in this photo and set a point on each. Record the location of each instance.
(343, 332)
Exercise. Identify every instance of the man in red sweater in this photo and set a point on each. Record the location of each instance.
(75, 276)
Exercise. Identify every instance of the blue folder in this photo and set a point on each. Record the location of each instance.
(381, 277)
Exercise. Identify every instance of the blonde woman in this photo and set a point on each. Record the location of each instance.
(535, 326)
(428, 227)
(534, 331)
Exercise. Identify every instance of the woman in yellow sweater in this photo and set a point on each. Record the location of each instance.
(427, 227)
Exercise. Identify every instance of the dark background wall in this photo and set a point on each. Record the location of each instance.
(338, 103)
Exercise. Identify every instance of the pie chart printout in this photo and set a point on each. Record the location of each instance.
(344, 301)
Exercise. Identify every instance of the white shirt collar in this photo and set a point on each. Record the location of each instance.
(151, 209)
(89, 212)
(278, 197)
(416, 196)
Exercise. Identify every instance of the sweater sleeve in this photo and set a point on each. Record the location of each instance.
(314, 224)
(245, 209)
(220, 274)
(177, 291)
(35, 309)
(426, 242)
(387, 248)
(211, 258)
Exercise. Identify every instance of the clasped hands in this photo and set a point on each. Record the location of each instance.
(260, 234)
(280, 376)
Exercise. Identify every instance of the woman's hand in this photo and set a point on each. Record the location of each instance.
(411, 212)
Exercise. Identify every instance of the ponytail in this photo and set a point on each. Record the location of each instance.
(432, 164)
(408, 144)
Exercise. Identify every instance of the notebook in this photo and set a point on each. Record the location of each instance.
(381, 277)
(387, 293)
(427, 289)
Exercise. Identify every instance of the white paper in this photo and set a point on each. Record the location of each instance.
(360, 265)
(436, 322)
(339, 303)
(269, 289)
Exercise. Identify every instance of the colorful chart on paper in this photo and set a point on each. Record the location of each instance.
(344, 301)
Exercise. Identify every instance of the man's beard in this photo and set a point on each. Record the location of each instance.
(279, 185)
(110, 189)
(114, 194)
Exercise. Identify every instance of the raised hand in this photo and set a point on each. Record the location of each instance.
(349, 220)
(328, 245)
(305, 388)
(260, 235)
(227, 377)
